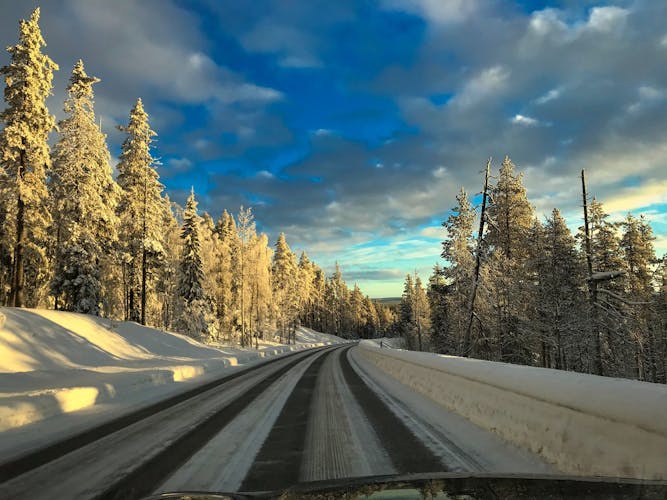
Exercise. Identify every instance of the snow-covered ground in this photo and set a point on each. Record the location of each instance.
(583, 424)
(389, 342)
(61, 372)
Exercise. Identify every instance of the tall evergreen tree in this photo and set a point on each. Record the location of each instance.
(140, 210)
(510, 218)
(195, 318)
(438, 293)
(406, 315)
(225, 296)
(457, 249)
(83, 200)
(637, 245)
(284, 276)
(610, 314)
(246, 236)
(24, 164)
(559, 296)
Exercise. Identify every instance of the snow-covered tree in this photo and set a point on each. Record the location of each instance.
(640, 258)
(510, 220)
(24, 165)
(284, 283)
(559, 296)
(226, 284)
(406, 315)
(196, 315)
(83, 201)
(442, 340)
(140, 209)
(457, 250)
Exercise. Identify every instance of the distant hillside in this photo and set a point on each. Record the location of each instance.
(389, 301)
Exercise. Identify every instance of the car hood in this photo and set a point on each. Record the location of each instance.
(449, 484)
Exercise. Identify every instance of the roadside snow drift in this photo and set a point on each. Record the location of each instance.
(583, 424)
(54, 362)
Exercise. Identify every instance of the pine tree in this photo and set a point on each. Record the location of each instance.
(610, 314)
(225, 296)
(246, 235)
(406, 316)
(83, 200)
(283, 277)
(637, 245)
(357, 310)
(166, 285)
(559, 295)
(422, 314)
(457, 249)
(438, 293)
(140, 209)
(510, 218)
(24, 163)
(196, 313)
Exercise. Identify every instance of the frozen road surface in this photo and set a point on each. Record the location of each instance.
(319, 414)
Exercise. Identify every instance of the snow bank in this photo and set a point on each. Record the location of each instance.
(54, 363)
(583, 424)
(389, 342)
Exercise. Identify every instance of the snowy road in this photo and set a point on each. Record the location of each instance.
(320, 414)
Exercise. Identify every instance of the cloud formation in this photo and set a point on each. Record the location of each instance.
(350, 126)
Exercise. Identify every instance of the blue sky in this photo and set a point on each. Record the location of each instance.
(351, 125)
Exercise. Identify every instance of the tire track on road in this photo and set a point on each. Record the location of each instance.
(407, 452)
(278, 462)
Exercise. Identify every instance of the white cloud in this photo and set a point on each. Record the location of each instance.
(487, 83)
(526, 121)
(440, 172)
(652, 192)
(179, 164)
(264, 174)
(433, 232)
(549, 96)
(436, 11)
(547, 22)
(606, 18)
(294, 48)
(647, 96)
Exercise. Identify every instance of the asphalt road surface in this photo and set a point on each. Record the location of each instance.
(315, 415)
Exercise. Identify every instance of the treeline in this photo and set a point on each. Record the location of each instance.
(521, 290)
(74, 238)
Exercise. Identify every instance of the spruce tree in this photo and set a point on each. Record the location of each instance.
(637, 245)
(24, 163)
(559, 296)
(283, 278)
(225, 296)
(457, 250)
(406, 317)
(83, 200)
(140, 209)
(510, 220)
(438, 294)
(195, 313)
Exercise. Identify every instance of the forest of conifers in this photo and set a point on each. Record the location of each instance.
(526, 291)
(74, 238)
(513, 288)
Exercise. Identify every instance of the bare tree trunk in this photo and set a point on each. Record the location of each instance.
(478, 262)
